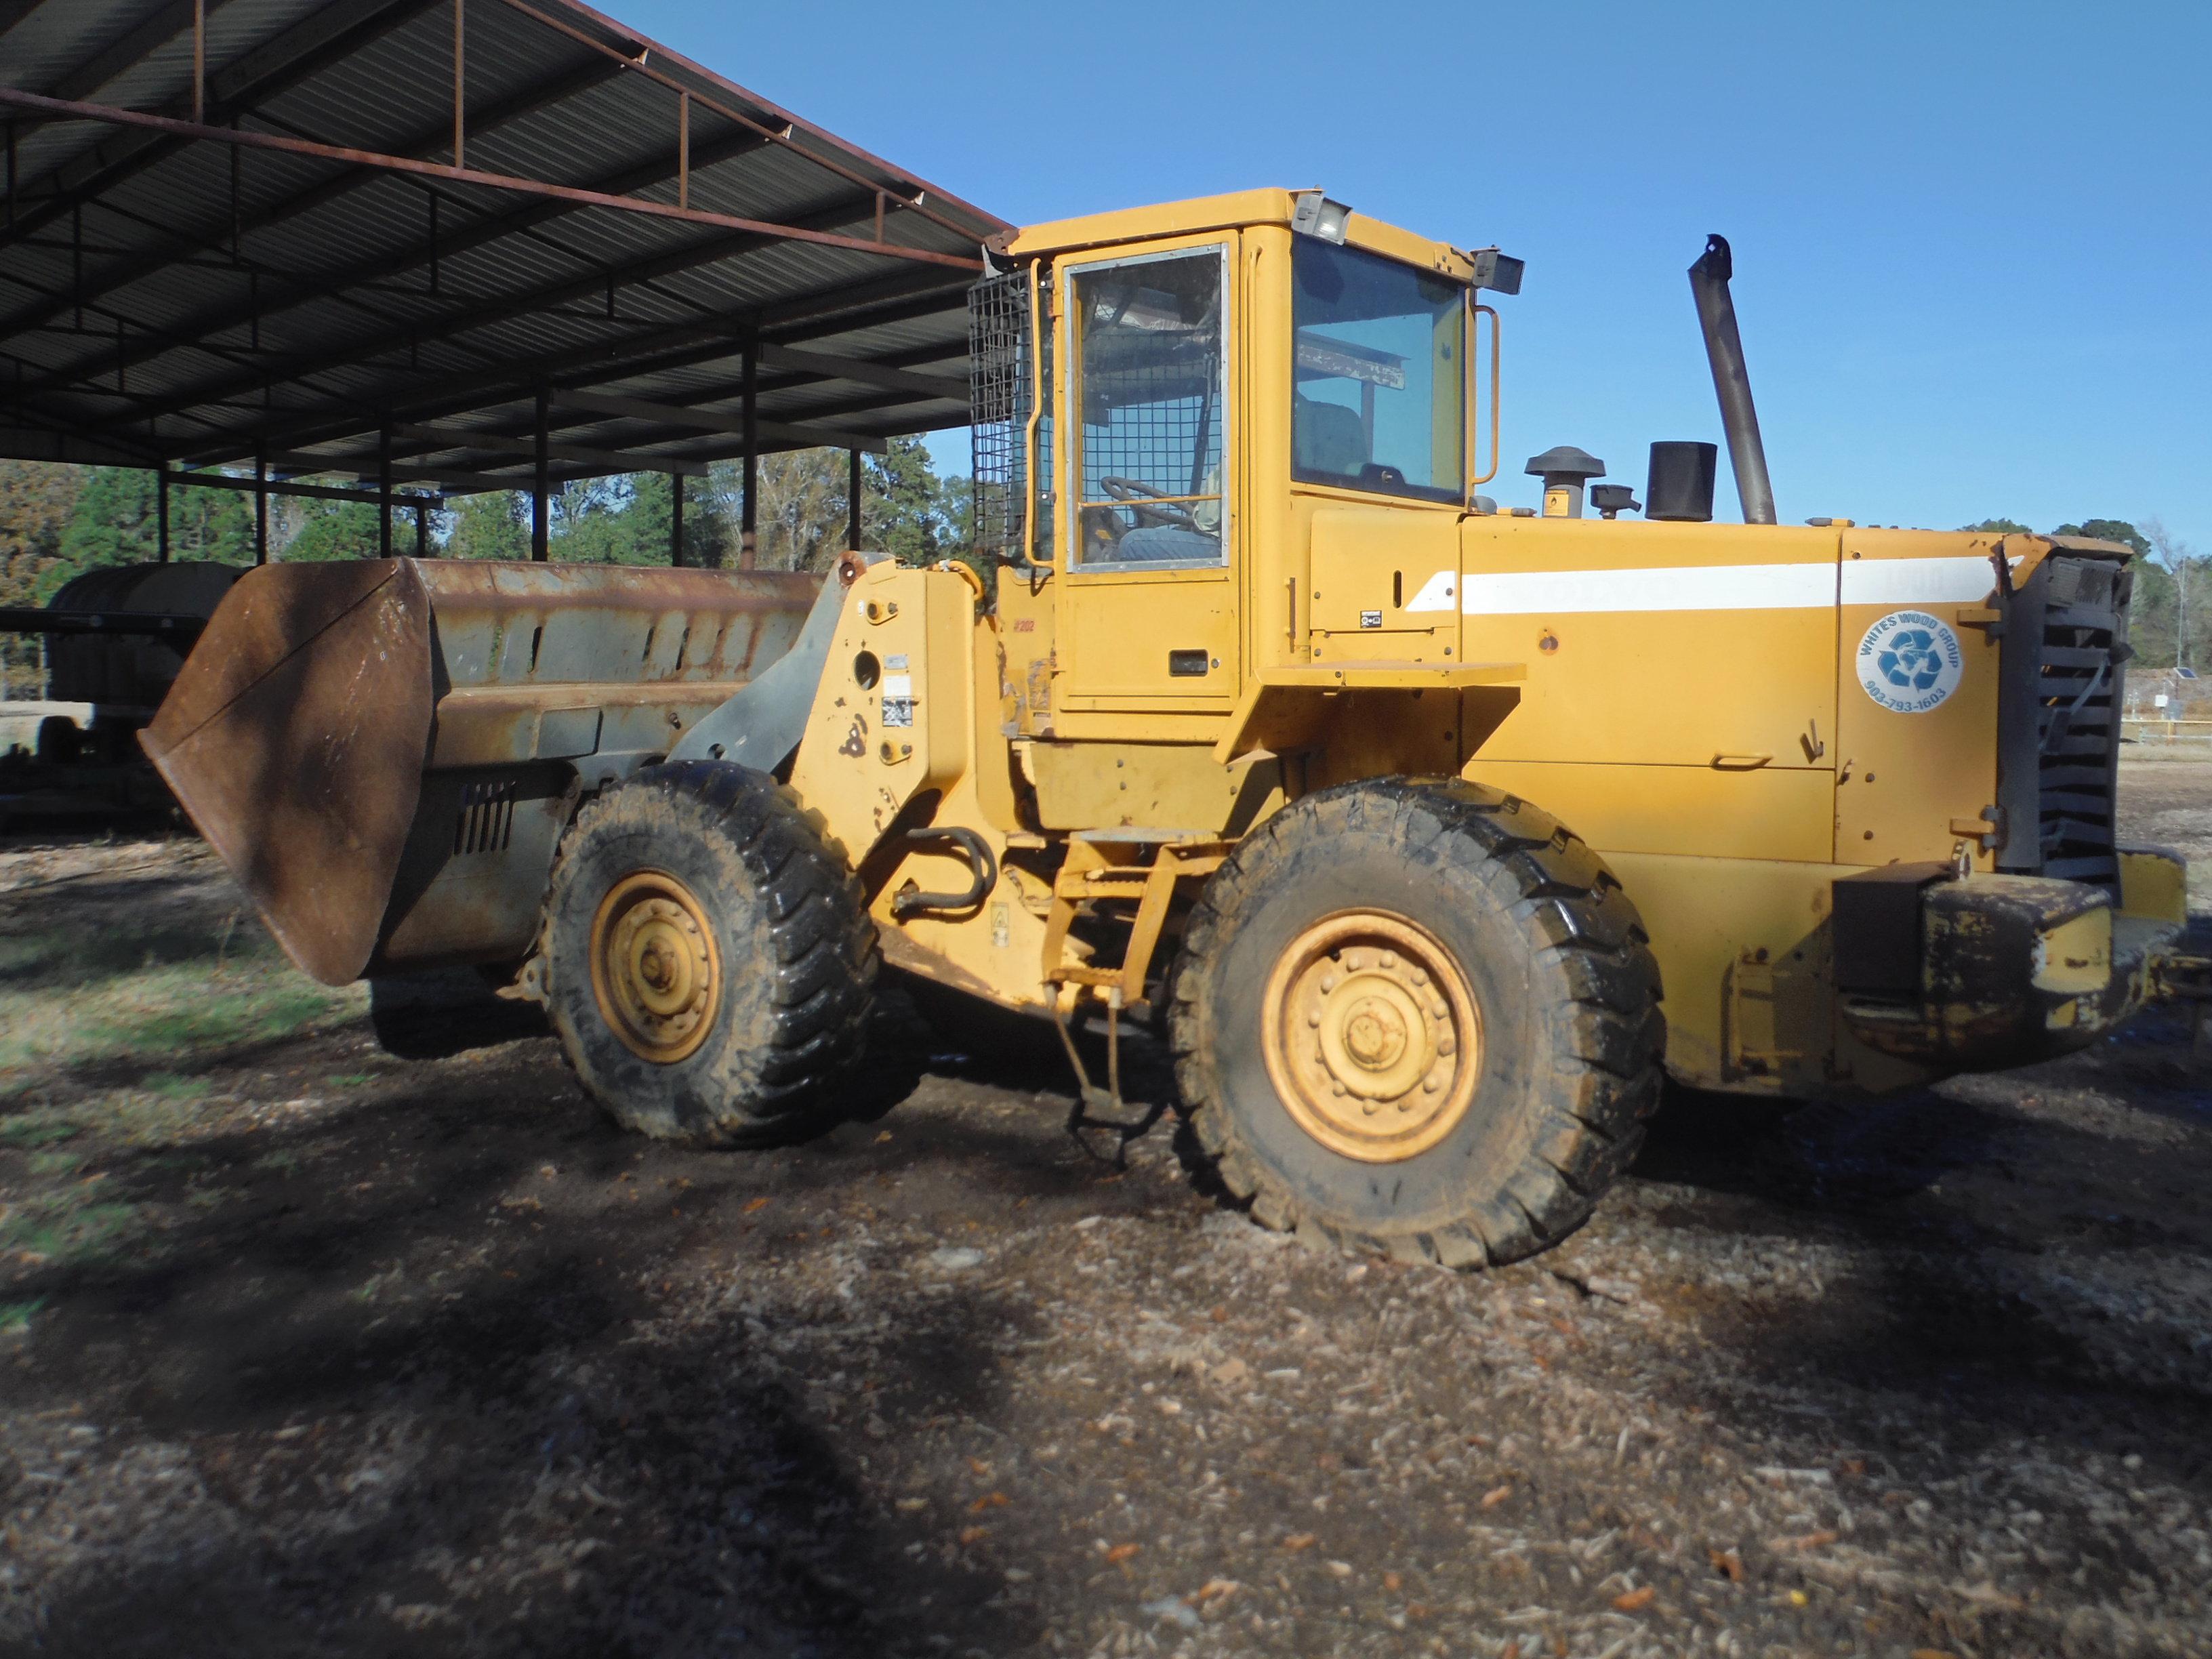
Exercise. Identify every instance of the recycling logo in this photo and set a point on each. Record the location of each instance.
(1910, 662)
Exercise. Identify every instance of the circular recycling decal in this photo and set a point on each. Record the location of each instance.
(1910, 662)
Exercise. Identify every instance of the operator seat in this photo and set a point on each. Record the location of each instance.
(1327, 438)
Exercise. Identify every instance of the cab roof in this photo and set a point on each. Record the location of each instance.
(1231, 211)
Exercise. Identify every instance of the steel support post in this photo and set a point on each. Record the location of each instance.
(541, 523)
(683, 149)
(748, 541)
(853, 500)
(383, 491)
(461, 84)
(422, 529)
(162, 513)
(199, 60)
(260, 505)
(676, 518)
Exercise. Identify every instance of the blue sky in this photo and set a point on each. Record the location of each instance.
(1973, 241)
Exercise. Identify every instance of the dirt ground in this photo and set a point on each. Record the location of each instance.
(313, 1348)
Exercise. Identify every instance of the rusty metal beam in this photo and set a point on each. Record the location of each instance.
(302, 51)
(69, 109)
(151, 262)
(196, 332)
(640, 61)
(134, 46)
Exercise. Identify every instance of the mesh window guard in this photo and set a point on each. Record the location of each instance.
(1150, 333)
(1000, 395)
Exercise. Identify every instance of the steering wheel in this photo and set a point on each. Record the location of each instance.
(1151, 508)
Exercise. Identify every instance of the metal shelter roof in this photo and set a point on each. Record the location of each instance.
(417, 240)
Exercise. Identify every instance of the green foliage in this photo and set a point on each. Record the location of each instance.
(341, 529)
(1998, 527)
(493, 527)
(801, 517)
(902, 511)
(2109, 530)
(116, 520)
(36, 502)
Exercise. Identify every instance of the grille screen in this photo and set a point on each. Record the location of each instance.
(2060, 724)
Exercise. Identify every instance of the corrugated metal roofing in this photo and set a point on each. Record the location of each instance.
(166, 294)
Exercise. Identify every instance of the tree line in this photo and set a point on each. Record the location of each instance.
(57, 522)
(2170, 624)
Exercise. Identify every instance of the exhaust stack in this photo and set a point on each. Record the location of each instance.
(1709, 281)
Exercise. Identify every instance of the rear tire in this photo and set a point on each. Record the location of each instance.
(1419, 1019)
(708, 967)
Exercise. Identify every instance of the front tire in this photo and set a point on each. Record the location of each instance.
(708, 967)
(1419, 1019)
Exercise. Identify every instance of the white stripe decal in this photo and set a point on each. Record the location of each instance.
(1918, 582)
(1719, 587)
(1678, 587)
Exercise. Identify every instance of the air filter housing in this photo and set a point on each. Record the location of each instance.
(1680, 485)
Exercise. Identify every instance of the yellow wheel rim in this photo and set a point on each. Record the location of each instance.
(655, 969)
(1372, 1037)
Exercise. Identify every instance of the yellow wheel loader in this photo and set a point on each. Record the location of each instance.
(1430, 833)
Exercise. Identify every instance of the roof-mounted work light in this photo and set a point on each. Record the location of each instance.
(1314, 215)
(1498, 272)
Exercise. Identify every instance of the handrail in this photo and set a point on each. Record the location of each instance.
(1497, 389)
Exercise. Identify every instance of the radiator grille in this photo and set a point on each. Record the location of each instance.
(486, 823)
(2065, 729)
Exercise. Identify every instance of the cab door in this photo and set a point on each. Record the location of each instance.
(1148, 616)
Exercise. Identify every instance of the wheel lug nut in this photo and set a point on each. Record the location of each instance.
(1336, 1089)
(1389, 958)
(1420, 977)
(1328, 981)
(1313, 1019)
(1447, 1044)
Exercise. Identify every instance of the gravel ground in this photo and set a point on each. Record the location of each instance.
(313, 1348)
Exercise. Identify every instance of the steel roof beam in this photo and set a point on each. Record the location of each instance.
(311, 492)
(828, 366)
(460, 438)
(147, 263)
(501, 309)
(328, 36)
(131, 49)
(870, 303)
(284, 144)
(194, 332)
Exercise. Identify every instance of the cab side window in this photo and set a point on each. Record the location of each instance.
(1381, 384)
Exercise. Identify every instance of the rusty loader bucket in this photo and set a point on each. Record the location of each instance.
(385, 752)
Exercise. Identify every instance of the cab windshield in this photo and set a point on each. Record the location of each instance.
(1379, 378)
